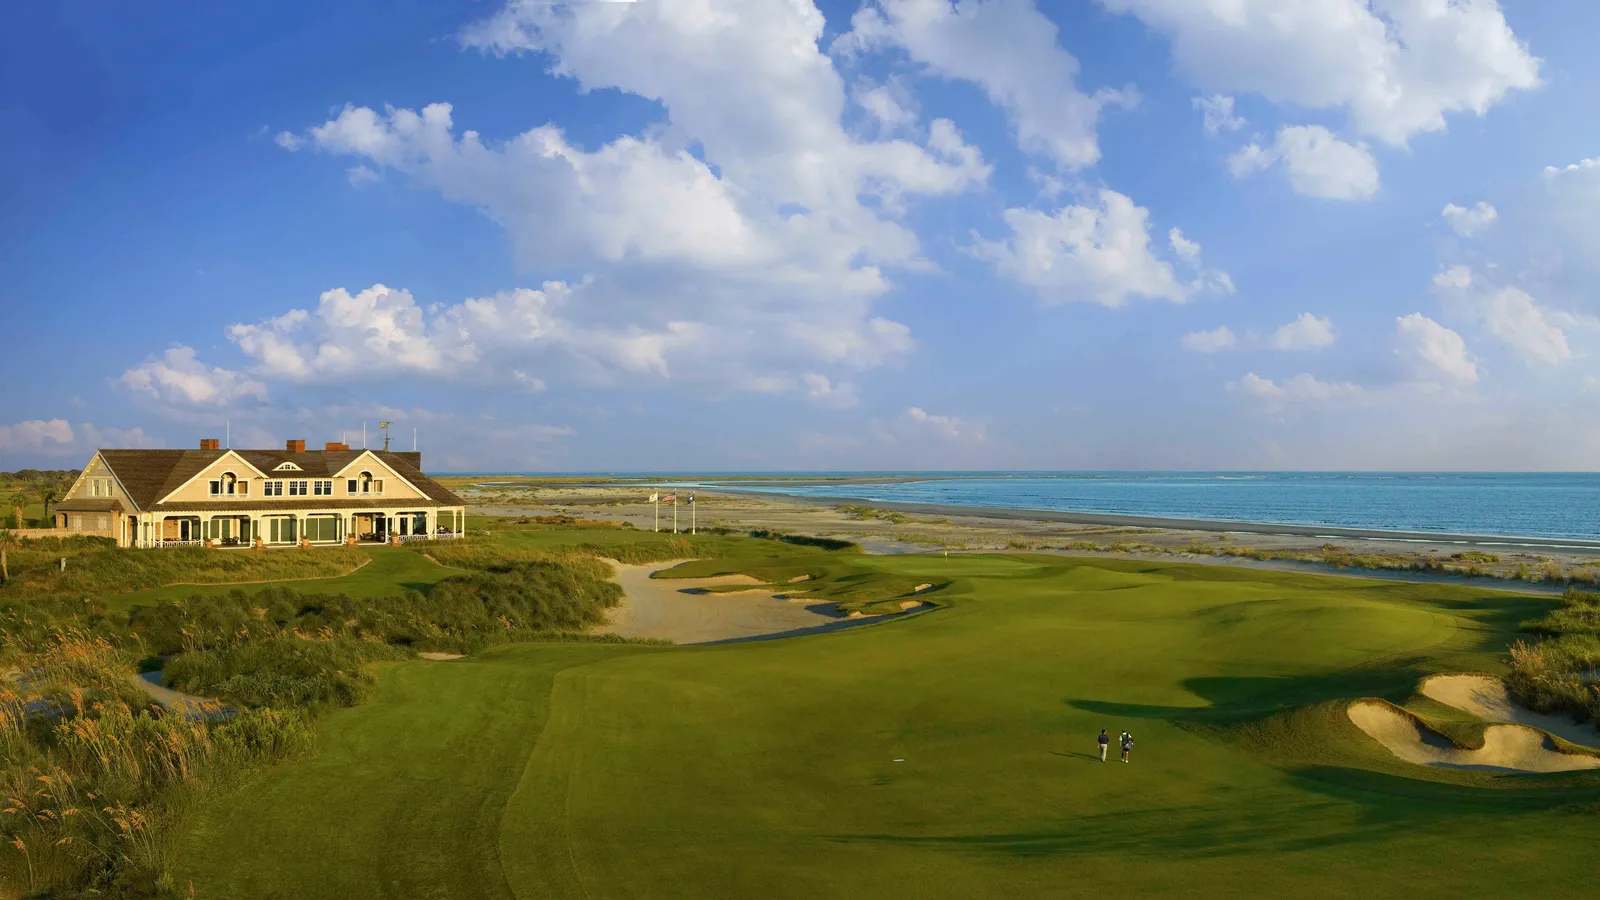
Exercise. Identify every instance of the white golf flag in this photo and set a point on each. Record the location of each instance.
(655, 498)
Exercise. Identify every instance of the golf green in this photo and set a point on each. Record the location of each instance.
(947, 754)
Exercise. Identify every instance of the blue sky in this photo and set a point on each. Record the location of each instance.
(697, 235)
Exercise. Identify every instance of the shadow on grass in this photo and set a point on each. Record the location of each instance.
(1244, 699)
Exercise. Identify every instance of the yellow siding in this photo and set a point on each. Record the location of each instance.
(200, 488)
(97, 483)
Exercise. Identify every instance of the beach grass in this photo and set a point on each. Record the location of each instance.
(948, 754)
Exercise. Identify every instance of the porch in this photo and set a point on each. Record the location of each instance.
(281, 529)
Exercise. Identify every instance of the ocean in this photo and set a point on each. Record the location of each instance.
(1549, 505)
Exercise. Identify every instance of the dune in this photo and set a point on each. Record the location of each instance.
(1487, 698)
(1506, 748)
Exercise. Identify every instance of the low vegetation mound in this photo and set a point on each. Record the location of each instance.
(96, 567)
(1554, 672)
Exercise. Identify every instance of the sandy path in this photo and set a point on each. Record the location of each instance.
(188, 705)
(1506, 748)
(1487, 698)
(674, 609)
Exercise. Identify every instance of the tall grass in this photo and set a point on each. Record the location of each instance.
(1556, 671)
(95, 777)
(96, 567)
(91, 781)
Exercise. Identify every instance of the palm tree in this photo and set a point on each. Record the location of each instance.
(18, 501)
(6, 540)
(49, 496)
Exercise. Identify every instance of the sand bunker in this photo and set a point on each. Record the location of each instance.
(1487, 698)
(1506, 748)
(679, 609)
(436, 656)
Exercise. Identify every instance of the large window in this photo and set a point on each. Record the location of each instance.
(228, 486)
(272, 489)
(322, 488)
(281, 531)
(299, 488)
(322, 528)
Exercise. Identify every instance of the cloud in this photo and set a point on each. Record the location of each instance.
(1213, 341)
(289, 141)
(751, 221)
(1395, 67)
(1187, 250)
(37, 435)
(1308, 332)
(1441, 351)
(177, 378)
(1305, 333)
(823, 392)
(889, 104)
(945, 426)
(57, 438)
(1318, 164)
(1006, 47)
(1217, 111)
(1301, 390)
(1469, 222)
(1510, 314)
(360, 175)
(1097, 254)
(527, 382)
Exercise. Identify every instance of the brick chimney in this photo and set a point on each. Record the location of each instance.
(296, 446)
(211, 443)
(335, 445)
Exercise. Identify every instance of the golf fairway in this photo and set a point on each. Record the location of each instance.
(769, 768)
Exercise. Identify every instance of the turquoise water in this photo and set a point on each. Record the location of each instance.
(1511, 505)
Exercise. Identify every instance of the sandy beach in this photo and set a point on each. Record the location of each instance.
(910, 528)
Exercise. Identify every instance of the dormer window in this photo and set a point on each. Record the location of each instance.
(287, 467)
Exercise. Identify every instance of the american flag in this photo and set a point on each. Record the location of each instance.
(670, 498)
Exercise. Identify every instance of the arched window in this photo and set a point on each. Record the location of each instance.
(226, 486)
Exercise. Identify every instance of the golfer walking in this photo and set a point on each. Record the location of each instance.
(1127, 745)
(1105, 742)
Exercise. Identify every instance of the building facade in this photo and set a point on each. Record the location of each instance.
(258, 498)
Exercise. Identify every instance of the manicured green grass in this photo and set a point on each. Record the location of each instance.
(771, 769)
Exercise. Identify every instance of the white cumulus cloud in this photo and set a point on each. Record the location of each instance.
(1317, 163)
(945, 426)
(1469, 222)
(1098, 254)
(178, 378)
(1307, 332)
(1441, 351)
(1213, 341)
(1302, 389)
(1008, 48)
(1395, 67)
(1217, 114)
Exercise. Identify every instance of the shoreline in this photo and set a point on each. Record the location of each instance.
(1330, 532)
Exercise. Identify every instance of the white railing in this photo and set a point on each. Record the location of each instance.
(408, 538)
(177, 543)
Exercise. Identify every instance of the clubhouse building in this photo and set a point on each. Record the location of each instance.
(293, 497)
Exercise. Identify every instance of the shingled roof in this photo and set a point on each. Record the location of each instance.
(149, 475)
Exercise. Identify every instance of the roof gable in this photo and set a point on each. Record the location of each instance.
(148, 476)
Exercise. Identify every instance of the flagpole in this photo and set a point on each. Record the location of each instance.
(655, 502)
(674, 512)
(694, 517)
